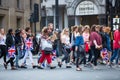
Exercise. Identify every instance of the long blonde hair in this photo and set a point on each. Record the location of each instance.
(64, 31)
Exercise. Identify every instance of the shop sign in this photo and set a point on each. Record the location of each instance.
(86, 8)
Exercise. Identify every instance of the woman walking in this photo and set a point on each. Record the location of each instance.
(79, 48)
(96, 44)
(3, 46)
(66, 47)
(10, 42)
(45, 44)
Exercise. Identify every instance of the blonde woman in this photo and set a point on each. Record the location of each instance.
(65, 40)
(86, 37)
(3, 46)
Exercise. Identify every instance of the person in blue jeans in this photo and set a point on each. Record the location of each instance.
(79, 41)
(116, 44)
(116, 54)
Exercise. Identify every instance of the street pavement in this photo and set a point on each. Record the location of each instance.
(104, 73)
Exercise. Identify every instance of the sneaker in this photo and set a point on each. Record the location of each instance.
(68, 67)
(24, 67)
(78, 69)
(39, 67)
(34, 66)
(52, 67)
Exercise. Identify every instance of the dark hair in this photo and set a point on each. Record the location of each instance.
(10, 31)
(93, 28)
(17, 31)
(80, 30)
(101, 28)
(27, 29)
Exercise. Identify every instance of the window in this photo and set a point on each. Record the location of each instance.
(0, 2)
(18, 4)
(1, 21)
(30, 4)
(18, 22)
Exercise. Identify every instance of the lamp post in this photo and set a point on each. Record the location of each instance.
(57, 13)
(112, 13)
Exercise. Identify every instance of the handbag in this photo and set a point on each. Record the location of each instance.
(48, 50)
(46, 46)
(81, 48)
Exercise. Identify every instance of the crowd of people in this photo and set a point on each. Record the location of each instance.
(85, 45)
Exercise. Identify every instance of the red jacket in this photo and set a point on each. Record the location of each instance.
(116, 44)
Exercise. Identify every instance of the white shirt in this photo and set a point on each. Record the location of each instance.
(2, 39)
(65, 39)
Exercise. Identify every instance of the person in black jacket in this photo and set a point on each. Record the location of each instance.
(10, 41)
(18, 43)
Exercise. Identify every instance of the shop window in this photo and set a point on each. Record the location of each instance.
(0, 2)
(71, 21)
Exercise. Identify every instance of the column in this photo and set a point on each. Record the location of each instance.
(12, 15)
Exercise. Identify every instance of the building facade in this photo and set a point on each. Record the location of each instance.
(73, 12)
(16, 13)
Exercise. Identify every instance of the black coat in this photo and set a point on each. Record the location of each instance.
(18, 40)
(10, 40)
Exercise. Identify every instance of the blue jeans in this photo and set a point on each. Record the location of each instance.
(116, 55)
(18, 55)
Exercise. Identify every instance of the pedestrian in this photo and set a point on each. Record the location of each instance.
(18, 43)
(3, 46)
(45, 44)
(107, 34)
(80, 49)
(56, 45)
(86, 37)
(28, 47)
(116, 52)
(66, 47)
(10, 42)
(74, 34)
(96, 44)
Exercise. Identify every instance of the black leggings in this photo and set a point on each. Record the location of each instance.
(96, 55)
(11, 62)
(3, 52)
(81, 57)
(90, 55)
(73, 55)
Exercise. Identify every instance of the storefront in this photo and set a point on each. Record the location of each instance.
(87, 13)
(76, 12)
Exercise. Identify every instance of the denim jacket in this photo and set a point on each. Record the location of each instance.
(79, 40)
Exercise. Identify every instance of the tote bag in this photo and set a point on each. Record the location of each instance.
(46, 46)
